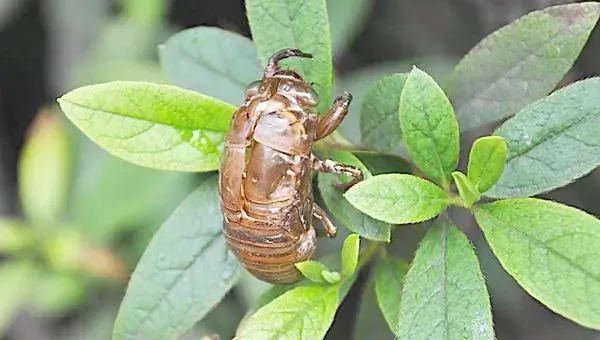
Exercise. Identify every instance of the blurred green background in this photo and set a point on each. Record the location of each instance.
(75, 220)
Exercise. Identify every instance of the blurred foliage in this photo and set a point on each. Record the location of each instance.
(88, 215)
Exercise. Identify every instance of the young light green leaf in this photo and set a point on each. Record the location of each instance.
(187, 261)
(15, 235)
(157, 126)
(389, 279)
(344, 212)
(350, 254)
(303, 313)
(212, 61)
(397, 198)
(44, 170)
(467, 190)
(444, 295)
(301, 24)
(429, 127)
(331, 277)
(346, 18)
(379, 121)
(551, 250)
(520, 63)
(16, 284)
(552, 142)
(486, 162)
(312, 270)
(271, 294)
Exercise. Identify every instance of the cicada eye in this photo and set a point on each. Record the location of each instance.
(252, 89)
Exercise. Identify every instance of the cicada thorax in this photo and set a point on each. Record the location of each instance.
(265, 187)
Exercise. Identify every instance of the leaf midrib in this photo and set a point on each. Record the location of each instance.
(542, 245)
(119, 114)
(303, 311)
(549, 137)
(437, 155)
(500, 76)
(177, 279)
(443, 275)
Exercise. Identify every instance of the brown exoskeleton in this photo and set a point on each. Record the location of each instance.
(265, 177)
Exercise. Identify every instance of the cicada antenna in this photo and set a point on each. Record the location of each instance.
(273, 63)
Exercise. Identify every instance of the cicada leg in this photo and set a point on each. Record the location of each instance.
(334, 116)
(334, 167)
(325, 220)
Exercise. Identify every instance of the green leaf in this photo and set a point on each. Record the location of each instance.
(360, 81)
(312, 270)
(466, 189)
(44, 170)
(486, 162)
(350, 254)
(552, 142)
(271, 294)
(398, 198)
(346, 18)
(186, 262)
(379, 163)
(303, 313)
(379, 121)
(444, 294)
(520, 63)
(157, 126)
(389, 280)
(301, 24)
(551, 250)
(344, 212)
(15, 286)
(15, 235)
(274, 292)
(429, 127)
(331, 277)
(212, 61)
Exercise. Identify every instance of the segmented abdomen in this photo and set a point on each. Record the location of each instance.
(269, 252)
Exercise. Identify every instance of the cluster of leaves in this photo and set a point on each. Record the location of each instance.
(547, 247)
